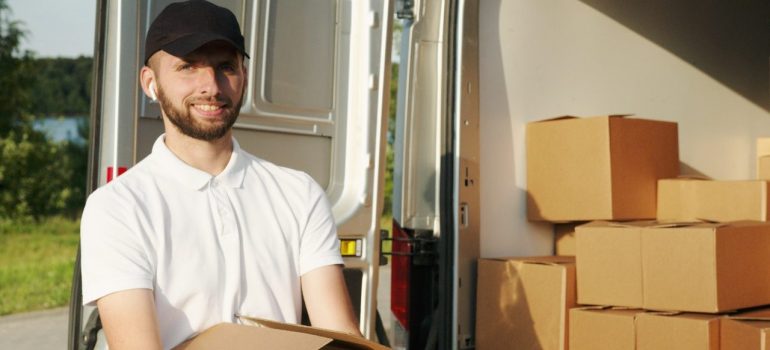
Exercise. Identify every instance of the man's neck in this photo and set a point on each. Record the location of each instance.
(209, 156)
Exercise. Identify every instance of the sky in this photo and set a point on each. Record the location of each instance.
(57, 28)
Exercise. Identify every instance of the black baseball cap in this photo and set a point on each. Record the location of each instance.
(182, 27)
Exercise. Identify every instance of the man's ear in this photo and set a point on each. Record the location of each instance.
(148, 81)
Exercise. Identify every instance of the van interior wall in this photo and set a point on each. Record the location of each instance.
(657, 60)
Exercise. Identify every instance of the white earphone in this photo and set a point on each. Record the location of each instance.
(153, 93)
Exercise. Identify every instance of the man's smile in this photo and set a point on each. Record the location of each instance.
(207, 107)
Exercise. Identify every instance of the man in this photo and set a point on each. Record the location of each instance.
(200, 231)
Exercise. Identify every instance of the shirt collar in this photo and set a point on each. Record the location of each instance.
(235, 170)
(170, 165)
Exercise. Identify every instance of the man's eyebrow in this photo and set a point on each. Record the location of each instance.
(186, 60)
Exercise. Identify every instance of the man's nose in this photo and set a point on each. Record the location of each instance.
(208, 81)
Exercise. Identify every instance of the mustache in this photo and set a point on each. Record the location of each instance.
(222, 100)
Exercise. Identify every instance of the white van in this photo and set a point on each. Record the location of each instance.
(472, 74)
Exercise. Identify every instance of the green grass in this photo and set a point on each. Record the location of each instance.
(36, 262)
(37, 258)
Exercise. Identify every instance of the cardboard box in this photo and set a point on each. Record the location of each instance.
(599, 328)
(746, 331)
(524, 301)
(609, 263)
(697, 199)
(763, 158)
(763, 168)
(598, 168)
(564, 237)
(265, 334)
(706, 267)
(680, 331)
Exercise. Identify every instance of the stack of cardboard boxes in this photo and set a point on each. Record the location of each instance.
(660, 261)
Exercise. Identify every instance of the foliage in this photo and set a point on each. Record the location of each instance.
(62, 86)
(34, 175)
(36, 263)
(388, 190)
(15, 77)
(78, 165)
(391, 137)
(37, 177)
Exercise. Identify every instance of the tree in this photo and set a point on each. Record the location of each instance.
(15, 79)
(62, 86)
(36, 175)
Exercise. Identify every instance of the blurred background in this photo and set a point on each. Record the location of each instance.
(46, 49)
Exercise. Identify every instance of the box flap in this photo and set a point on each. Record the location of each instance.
(613, 116)
(677, 224)
(749, 318)
(744, 223)
(592, 307)
(563, 117)
(346, 340)
(689, 177)
(760, 314)
(666, 313)
(608, 307)
(235, 336)
(567, 116)
(694, 224)
(633, 224)
(620, 224)
(544, 260)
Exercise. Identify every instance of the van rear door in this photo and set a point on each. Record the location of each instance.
(436, 205)
(316, 101)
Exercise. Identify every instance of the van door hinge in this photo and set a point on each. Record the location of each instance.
(423, 249)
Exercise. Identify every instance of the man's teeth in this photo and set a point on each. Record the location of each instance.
(208, 108)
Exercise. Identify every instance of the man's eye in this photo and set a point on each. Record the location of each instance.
(227, 67)
(185, 67)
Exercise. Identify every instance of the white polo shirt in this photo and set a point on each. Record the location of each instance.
(208, 246)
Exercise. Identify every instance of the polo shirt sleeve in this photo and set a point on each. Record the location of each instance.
(319, 244)
(113, 256)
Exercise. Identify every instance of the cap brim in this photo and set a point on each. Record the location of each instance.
(185, 45)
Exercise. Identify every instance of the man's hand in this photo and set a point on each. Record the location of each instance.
(129, 320)
(327, 300)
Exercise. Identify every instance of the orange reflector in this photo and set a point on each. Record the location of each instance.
(350, 247)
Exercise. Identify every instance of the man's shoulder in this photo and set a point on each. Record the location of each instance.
(125, 186)
(282, 173)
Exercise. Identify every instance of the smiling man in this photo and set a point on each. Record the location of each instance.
(200, 231)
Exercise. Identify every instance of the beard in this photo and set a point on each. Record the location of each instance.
(187, 125)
